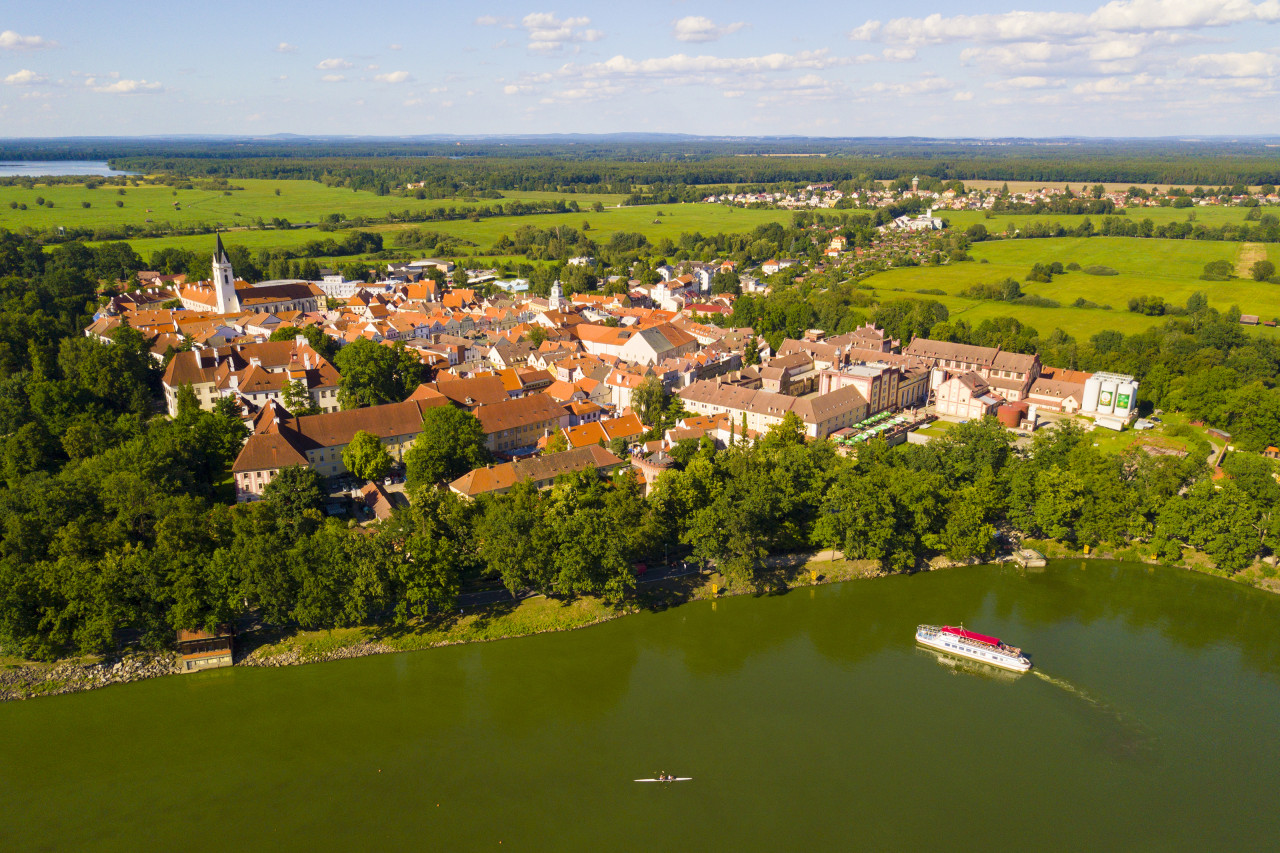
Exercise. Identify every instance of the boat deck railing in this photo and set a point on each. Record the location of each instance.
(933, 631)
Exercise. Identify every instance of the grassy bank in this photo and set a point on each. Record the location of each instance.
(539, 614)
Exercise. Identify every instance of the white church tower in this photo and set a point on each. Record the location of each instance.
(224, 283)
(556, 293)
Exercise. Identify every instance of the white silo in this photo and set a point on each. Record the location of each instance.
(936, 377)
(1032, 411)
(1107, 397)
(1092, 386)
(1126, 399)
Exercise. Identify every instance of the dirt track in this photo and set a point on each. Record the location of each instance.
(1249, 254)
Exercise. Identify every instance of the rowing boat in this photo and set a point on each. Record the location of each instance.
(677, 779)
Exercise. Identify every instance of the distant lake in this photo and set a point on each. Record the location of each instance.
(37, 168)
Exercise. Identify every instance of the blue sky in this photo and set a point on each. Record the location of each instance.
(1124, 68)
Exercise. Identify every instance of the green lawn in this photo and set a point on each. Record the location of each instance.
(1166, 268)
(1111, 441)
(298, 201)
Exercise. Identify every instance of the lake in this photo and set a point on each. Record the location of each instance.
(37, 168)
(808, 721)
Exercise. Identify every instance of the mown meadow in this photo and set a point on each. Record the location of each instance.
(1145, 267)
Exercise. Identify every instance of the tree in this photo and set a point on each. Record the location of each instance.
(557, 443)
(366, 457)
(298, 400)
(536, 336)
(452, 443)
(320, 342)
(649, 400)
(293, 491)
(751, 352)
(373, 374)
(1262, 270)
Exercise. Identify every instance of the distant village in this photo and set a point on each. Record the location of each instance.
(560, 372)
(820, 196)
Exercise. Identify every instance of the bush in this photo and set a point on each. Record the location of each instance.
(1073, 267)
(932, 291)
(1038, 301)
(1151, 306)
(1006, 290)
(1044, 273)
(1218, 271)
(1262, 270)
(1099, 269)
(1089, 303)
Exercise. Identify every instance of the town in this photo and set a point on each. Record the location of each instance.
(553, 379)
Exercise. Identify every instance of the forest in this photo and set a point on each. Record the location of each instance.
(622, 164)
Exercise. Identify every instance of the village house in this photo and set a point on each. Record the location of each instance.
(821, 414)
(626, 428)
(513, 426)
(317, 441)
(255, 373)
(1008, 374)
(966, 396)
(541, 471)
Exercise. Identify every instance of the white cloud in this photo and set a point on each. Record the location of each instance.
(1116, 16)
(285, 47)
(332, 64)
(1025, 82)
(495, 21)
(1255, 64)
(962, 96)
(548, 34)
(397, 47)
(696, 28)
(9, 40)
(126, 87)
(25, 77)
(334, 78)
(392, 77)
(678, 64)
(927, 85)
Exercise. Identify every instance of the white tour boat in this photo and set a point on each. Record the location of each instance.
(967, 644)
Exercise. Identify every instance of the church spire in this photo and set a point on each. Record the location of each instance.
(224, 280)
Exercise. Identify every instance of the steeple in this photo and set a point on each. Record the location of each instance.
(556, 293)
(224, 281)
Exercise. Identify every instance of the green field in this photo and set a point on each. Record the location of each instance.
(1210, 217)
(675, 220)
(1166, 268)
(298, 201)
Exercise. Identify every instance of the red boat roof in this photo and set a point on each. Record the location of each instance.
(970, 635)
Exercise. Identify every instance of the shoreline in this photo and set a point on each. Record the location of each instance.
(489, 623)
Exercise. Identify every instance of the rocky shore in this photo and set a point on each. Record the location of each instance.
(292, 657)
(25, 682)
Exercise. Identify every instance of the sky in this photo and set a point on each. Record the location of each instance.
(959, 69)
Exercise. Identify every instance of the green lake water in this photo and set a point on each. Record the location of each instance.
(809, 721)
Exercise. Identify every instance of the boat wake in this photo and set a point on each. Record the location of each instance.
(1122, 736)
